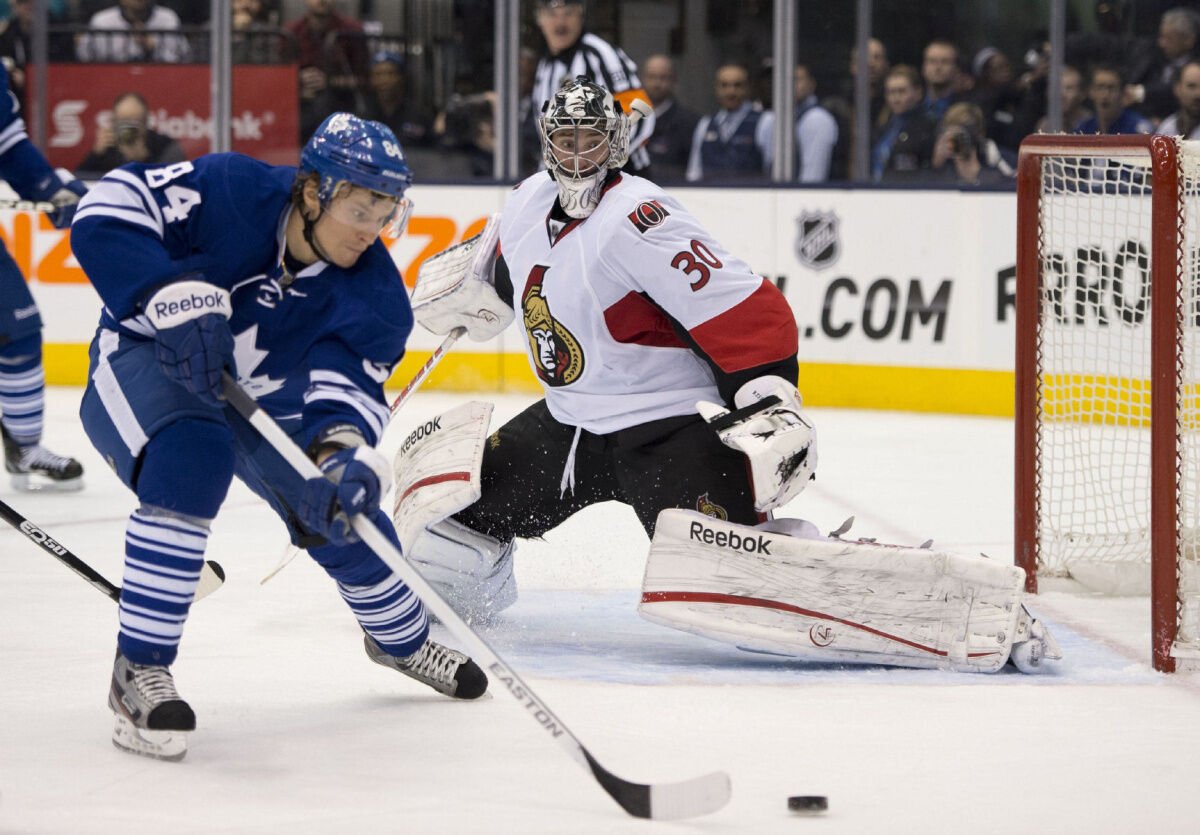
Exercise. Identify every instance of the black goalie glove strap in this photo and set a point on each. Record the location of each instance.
(775, 435)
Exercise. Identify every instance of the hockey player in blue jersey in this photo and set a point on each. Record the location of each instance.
(22, 382)
(279, 276)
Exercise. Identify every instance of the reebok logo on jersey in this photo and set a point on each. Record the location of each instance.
(648, 215)
(754, 544)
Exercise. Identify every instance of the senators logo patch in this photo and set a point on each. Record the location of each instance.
(648, 215)
(710, 508)
(557, 357)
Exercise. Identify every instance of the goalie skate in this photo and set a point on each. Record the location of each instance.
(1033, 645)
(151, 719)
(445, 670)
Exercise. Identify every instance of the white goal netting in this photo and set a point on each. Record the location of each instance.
(1094, 373)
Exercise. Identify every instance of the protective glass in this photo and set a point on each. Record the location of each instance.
(371, 212)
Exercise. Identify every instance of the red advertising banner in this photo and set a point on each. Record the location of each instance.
(264, 121)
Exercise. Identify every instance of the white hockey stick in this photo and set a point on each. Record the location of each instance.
(212, 576)
(19, 205)
(425, 369)
(670, 801)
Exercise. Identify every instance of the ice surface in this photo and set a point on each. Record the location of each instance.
(299, 733)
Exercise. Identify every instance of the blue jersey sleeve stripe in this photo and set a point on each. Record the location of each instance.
(11, 135)
(142, 190)
(108, 211)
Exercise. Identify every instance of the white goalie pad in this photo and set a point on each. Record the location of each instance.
(829, 599)
(455, 288)
(437, 469)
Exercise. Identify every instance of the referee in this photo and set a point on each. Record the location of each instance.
(570, 52)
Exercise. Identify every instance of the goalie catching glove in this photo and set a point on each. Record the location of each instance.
(456, 288)
(778, 440)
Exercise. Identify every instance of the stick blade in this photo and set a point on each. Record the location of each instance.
(212, 577)
(691, 798)
(664, 801)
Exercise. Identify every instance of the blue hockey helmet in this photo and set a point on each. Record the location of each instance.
(347, 149)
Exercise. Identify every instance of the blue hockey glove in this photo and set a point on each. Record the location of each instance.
(194, 342)
(64, 193)
(354, 481)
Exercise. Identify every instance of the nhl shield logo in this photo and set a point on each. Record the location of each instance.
(817, 243)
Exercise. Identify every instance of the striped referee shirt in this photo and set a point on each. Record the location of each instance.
(607, 65)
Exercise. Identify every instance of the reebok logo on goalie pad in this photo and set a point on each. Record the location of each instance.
(429, 427)
(754, 544)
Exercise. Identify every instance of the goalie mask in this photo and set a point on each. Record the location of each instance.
(584, 134)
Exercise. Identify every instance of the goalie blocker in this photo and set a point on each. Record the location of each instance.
(780, 588)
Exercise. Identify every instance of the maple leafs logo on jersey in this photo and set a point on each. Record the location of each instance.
(247, 356)
(556, 353)
(648, 215)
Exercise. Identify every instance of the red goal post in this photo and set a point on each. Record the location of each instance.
(1108, 373)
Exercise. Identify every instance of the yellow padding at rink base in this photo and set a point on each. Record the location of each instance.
(829, 385)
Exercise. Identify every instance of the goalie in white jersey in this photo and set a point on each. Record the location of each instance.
(636, 319)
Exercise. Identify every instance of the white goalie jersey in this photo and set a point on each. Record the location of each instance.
(638, 300)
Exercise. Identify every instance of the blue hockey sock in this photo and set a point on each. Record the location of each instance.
(390, 613)
(22, 389)
(164, 553)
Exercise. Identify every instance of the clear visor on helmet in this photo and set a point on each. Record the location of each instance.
(577, 151)
(370, 211)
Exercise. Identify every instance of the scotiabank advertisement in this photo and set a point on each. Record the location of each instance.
(264, 124)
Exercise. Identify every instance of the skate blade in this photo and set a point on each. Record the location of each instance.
(34, 483)
(158, 745)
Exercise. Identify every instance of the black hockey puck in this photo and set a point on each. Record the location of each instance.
(808, 804)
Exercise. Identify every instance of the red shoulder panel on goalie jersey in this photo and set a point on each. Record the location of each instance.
(758, 331)
(634, 320)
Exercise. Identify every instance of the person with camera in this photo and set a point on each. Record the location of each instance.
(962, 153)
(128, 137)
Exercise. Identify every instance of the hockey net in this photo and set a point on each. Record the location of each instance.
(1108, 374)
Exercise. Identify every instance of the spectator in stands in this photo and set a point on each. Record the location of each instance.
(962, 153)
(1185, 121)
(841, 105)
(1105, 89)
(904, 145)
(255, 40)
(674, 123)
(572, 51)
(939, 69)
(736, 141)
(466, 133)
(133, 30)
(332, 56)
(126, 136)
(1153, 77)
(816, 130)
(388, 101)
(996, 95)
(1074, 110)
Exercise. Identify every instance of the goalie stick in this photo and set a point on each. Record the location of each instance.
(211, 574)
(662, 801)
(425, 369)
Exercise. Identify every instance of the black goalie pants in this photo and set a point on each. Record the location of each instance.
(675, 462)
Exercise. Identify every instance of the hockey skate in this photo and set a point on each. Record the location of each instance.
(34, 467)
(152, 720)
(443, 669)
(1033, 645)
